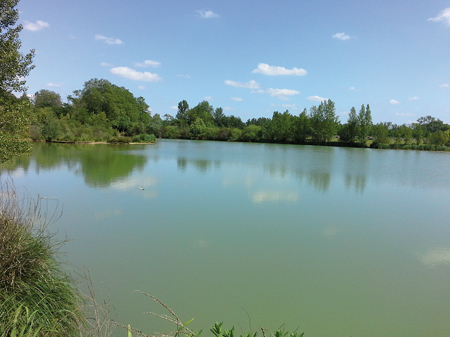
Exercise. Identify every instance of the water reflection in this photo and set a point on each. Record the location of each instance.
(100, 165)
(435, 257)
(356, 167)
(202, 165)
(271, 195)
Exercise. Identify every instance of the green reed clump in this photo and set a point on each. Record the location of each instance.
(36, 293)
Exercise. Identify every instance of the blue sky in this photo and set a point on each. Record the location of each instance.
(249, 57)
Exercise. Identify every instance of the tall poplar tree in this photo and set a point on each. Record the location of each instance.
(14, 67)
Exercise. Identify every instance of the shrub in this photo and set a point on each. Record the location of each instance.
(120, 140)
(36, 294)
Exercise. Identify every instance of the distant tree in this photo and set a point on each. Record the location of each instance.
(349, 131)
(202, 110)
(47, 98)
(183, 107)
(302, 129)
(232, 122)
(14, 67)
(430, 124)
(417, 132)
(324, 121)
(364, 123)
(380, 132)
(218, 117)
(406, 133)
(121, 108)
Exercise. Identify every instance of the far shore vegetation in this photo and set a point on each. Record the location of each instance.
(104, 112)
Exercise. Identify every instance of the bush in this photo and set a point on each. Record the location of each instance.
(120, 140)
(36, 294)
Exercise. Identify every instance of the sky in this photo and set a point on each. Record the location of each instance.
(249, 57)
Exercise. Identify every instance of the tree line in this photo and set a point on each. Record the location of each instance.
(102, 111)
(319, 126)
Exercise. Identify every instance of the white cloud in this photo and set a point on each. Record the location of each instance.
(36, 26)
(227, 108)
(135, 75)
(104, 64)
(207, 14)
(249, 85)
(108, 40)
(445, 85)
(443, 16)
(142, 87)
(207, 98)
(148, 63)
(237, 99)
(174, 107)
(394, 101)
(352, 88)
(341, 36)
(278, 93)
(414, 98)
(264, 68)
(405, 114)
(317, 98)
(56, 85)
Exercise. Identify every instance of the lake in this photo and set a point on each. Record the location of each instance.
(332, 241)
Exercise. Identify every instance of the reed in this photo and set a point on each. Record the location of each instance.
(37, 296)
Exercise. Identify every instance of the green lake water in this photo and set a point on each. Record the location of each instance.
(336, 242)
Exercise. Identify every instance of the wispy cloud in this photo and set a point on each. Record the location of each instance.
(148, 63)
(317, 98)
(54, 85)
(104, 64)
(352, 88)
(443, 16)
(134, 75)
(394, 101)
(237, 99)
(250, 85)
(405, 114)
(207, 14)
(341, 36)
(445, 85)
(414, 98)
(278, 93)
(141, 87)
(174, 107)
(108, 40)
(264, 68)
(207, 98)
(35, 26)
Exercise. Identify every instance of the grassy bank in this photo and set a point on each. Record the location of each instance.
(37, 296)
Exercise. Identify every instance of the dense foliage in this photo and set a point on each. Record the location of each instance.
(318, 126)
(14, 66)
(101, 111)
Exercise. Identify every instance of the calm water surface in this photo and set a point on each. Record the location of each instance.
(337, 242)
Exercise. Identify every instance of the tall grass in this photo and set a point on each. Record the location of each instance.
(37, 295)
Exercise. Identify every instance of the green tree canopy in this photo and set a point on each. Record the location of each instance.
(121, 108)
(14, 67)
(47, 98)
